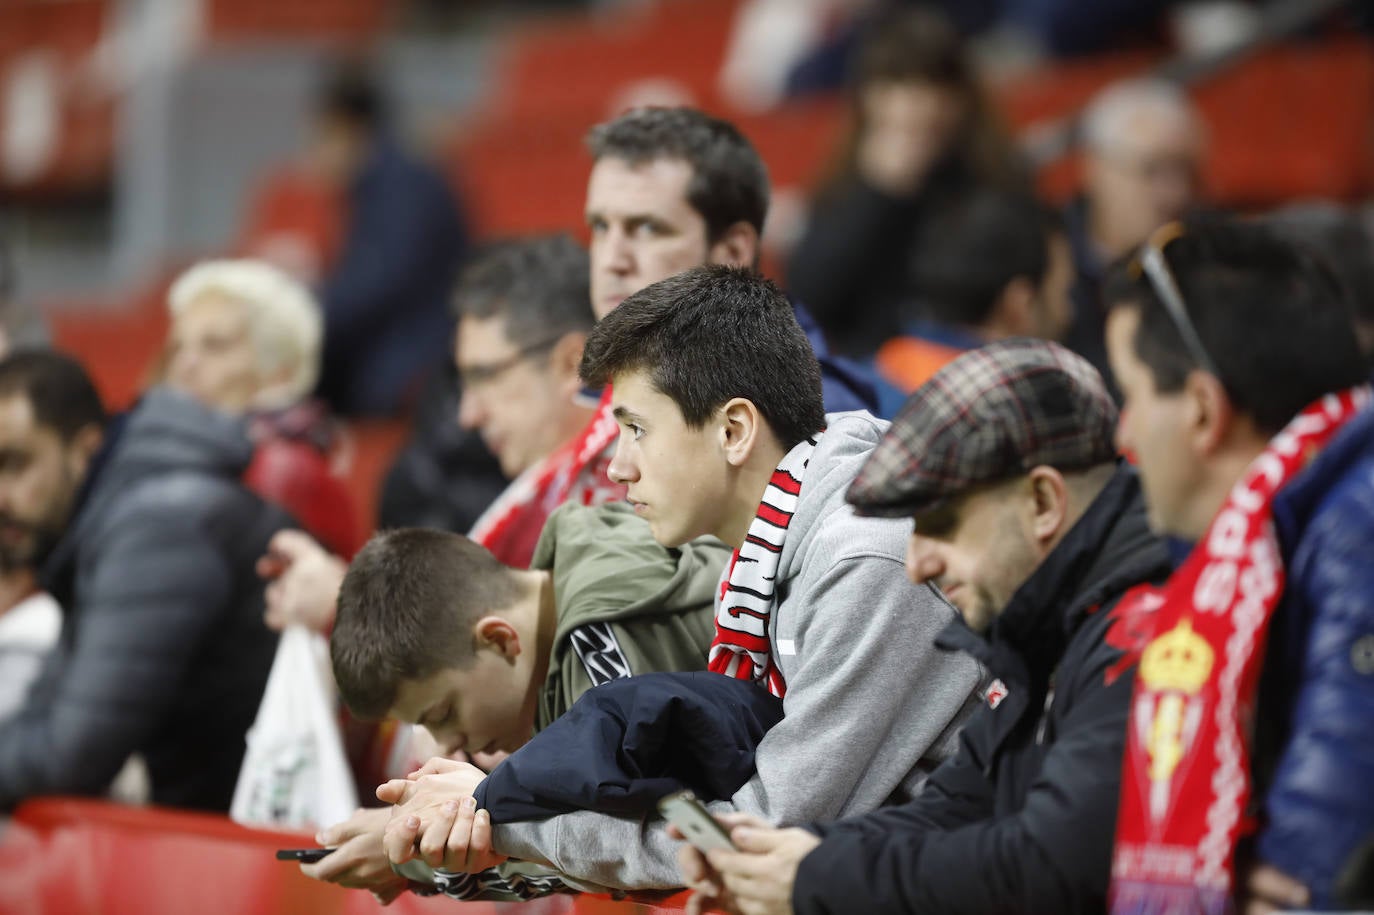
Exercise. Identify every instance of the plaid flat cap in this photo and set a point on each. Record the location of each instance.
(991, 414)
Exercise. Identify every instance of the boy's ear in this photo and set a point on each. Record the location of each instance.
(495, 633)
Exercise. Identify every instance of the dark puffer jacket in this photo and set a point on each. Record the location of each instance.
(163, 649)
(1316, 713)
(1021, 818)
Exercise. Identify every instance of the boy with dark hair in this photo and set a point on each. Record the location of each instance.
(433, 630)
(717, 397)
(1245, 408)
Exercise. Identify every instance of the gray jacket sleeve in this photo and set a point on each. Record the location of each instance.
(152, 585)
(869, 700)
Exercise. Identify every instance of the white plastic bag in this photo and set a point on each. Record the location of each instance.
(295, 774)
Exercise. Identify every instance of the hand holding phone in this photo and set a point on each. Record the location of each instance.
(303, 855)
(694, 821)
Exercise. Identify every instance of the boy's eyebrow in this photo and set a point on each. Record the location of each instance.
(626, 415)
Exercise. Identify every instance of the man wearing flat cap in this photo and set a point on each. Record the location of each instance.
(1026, 520)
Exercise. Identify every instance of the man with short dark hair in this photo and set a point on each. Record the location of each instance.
(1246, 410)
(996, 265)
(149, 540)
(717, 397)
(1025, 521)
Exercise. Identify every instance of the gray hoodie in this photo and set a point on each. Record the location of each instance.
(871, 706)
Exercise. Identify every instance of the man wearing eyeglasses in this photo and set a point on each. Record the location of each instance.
(1246, 410)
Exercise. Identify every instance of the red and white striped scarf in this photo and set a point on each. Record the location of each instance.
(741, 648)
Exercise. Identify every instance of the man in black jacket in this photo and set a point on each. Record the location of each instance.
(149, 540)
(1027, 523)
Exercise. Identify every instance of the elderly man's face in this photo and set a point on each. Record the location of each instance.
(976, 549)
(1147, 174)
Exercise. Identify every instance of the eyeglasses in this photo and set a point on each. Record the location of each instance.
(475, 376)
(1152, 263)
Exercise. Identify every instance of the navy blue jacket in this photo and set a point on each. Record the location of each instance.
(627, 743)
(1021, 818)
(1317, 697)
(386, 308)
(846, 384)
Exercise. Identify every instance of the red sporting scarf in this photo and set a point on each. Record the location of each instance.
(1185, 776)
(576, 472)
(742, 648)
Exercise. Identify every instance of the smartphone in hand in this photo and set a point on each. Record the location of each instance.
(303, 855)
(694, 821)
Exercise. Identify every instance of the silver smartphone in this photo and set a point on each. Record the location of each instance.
(684, 811)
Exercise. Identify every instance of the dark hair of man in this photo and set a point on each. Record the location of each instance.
(406, 611)
(980, 243)
(537, 286)
(350, 93)
(1272, 317)
(708, 335)
(57, 388)
(729, 181)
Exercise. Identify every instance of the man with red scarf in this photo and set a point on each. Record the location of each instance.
(1245, 409)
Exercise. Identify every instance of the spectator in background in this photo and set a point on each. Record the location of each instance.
(1143, 145)
(1238, 362)
(997, 265)
(923, 137)
(1339, 237)
(1027, 522)
(245, 339)
(386, 299)
(147, 539)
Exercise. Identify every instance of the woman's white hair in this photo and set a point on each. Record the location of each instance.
(285, 321)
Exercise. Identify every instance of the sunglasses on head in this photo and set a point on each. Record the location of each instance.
(1155, 267)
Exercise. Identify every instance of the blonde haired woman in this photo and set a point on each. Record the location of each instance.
(245, 339)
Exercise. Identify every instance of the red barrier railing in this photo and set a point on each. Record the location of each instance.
(64, 856)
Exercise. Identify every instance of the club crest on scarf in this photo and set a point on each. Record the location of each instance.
(1185, 779)
(741, 647)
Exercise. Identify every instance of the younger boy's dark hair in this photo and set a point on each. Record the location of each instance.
(710, 334)
(406, 611)
(1271, 316)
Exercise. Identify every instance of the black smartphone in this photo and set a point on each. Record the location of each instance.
(303, 855)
